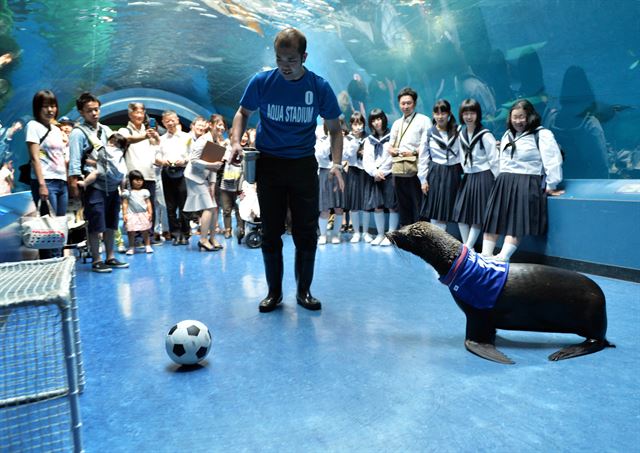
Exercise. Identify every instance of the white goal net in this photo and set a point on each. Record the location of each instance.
(41, 371)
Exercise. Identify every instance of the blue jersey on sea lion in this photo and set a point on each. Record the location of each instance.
(476, 280)
(289, 111)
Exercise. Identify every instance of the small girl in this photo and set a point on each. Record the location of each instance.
(357, 182)
(137, 211)
(377, 163)
(530, 169)
(481, 165)
(116, 147)
(329, 197)
(439, 167)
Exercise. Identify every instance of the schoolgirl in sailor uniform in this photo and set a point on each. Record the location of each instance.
(357, 182)
(480, 164)
(529, 171)
(377, 164)
(329, 197)
(439, 167)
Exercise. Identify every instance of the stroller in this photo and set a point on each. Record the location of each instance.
(249, 210)
(254, 237)
(77, 239)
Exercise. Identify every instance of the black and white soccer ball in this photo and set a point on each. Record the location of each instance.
(188, 342)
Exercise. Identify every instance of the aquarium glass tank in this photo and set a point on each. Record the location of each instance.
(577, 61)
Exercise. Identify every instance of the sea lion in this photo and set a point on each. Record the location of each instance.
(533, 297)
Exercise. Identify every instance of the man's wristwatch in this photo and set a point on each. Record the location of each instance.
(338, 166)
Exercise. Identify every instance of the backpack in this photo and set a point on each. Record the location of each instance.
(110, 161)
(537, 138)
(231, 177)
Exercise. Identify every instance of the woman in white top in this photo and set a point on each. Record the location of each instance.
(480, 164)
(377, 163)
(200, 177)
(530, 169)
(47, 153)
(357, 182)
(439, 167)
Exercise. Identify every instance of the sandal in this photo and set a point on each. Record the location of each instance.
(206, 246)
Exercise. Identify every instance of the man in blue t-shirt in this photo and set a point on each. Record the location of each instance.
(289, 100)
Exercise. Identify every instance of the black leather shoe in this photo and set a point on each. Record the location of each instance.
(309, 302)
(269, 303)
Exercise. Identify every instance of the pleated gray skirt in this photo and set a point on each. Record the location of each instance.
(444, 181)
(472, 198)
(517, 206)
(329, 198)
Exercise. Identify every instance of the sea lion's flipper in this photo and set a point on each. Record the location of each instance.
(584, 348)
(487, 351)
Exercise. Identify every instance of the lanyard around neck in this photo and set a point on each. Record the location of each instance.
(413, 115)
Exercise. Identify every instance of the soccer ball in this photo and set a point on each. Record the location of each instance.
(188, 342)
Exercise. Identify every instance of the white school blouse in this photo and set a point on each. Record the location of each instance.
(528, 159)
(323, 152)
(485, 156)
(431, 152)
(373, 164)
(350, 148)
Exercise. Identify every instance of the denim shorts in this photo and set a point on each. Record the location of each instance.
(101, 209)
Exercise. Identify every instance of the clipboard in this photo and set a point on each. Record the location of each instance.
(212, 152)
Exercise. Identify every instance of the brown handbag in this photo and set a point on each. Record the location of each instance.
(404, 166)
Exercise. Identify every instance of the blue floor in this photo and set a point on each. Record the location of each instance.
(381, 368)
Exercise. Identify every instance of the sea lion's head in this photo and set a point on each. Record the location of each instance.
(430, 243)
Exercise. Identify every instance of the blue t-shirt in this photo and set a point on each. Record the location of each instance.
(476, 280)
(289, 111)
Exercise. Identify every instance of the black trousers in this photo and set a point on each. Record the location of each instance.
(175, 195)
(292, 183)
(409, 196)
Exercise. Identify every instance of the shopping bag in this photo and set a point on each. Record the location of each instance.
(44, 231)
